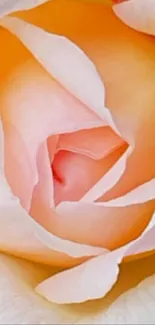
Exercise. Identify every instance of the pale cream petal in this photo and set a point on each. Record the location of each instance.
(90, 280)
(58, 55)
(138, 14)
(7, 7)
(19, 304)
(136, 306)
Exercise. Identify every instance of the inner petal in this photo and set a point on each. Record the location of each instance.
(74, 174)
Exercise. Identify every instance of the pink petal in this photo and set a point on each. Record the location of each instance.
(95, 143)
(75, 174)
(138, 14)
(94, 278)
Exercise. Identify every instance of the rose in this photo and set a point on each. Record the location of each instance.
(53, 127)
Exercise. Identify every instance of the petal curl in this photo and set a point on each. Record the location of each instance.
(94, 278)
(138, 14)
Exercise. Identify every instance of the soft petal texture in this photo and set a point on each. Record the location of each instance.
(7, 7)
(84, 274)
(83, 80)
(22, 236)
(109, 179)
(141, 194)
(43, 191)
(75, 174)
(133, 307)
(95, 224)
(19, 304)
(94, 278)
(19, 169)
(138, 14)
(96, 143)
(131, 103)
(146, 242)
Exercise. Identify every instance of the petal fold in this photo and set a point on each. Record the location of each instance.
(94, 278)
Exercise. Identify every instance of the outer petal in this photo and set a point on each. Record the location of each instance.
(138, 14)
(7, 7)
(19, 304)
(136, 306)
(98, 225)
(82, 72)
(94, 278)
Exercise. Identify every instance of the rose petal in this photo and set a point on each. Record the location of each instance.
(109, 179)
(41, 101)
(138, 14)
(129, 87)
(94, 224)
(44, 191)
(75, 174)
(82, 71)
(141, 194)
(135, 306)
(94, 278)
(95, 143)
(19, 303)
(146, 242)
(7, 7)
(19, 170)
(20, 233)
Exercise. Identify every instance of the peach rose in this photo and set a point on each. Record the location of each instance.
(77, 142)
